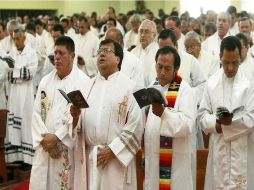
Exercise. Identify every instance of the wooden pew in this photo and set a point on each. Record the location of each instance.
(201, 167)
(3, 122)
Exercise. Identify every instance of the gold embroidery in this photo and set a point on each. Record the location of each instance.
(240, 182)
(122, 108)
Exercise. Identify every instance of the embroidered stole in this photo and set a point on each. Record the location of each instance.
(166, 149)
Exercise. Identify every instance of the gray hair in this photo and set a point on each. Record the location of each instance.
(227, 14)
(153, 25)
(12, 25)
(135, 18)
(194, 35)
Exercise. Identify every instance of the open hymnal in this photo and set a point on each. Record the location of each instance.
(76, 98)
(147, 96)
(224, 112)
(9, 60)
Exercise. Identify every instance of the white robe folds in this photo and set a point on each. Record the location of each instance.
(231, 153)
(131, 38)
(18, 146)
(177, 122)
(132, 67)
(113, 119)
(147, 57)
(86, 46)
(247, 66)
(51, 115)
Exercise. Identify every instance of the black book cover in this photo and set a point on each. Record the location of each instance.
(76, 98)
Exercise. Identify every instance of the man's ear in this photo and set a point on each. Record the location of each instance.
(72, 55)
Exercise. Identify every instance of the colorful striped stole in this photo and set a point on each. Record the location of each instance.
(166, 142)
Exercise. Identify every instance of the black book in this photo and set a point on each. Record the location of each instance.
(147, 96)
(224, 112)
(76, 98)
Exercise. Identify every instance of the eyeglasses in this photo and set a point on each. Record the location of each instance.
(146, 32)
(105, 50)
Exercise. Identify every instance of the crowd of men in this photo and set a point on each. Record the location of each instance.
(202, 67)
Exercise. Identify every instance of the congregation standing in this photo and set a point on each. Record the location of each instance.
(200, 66)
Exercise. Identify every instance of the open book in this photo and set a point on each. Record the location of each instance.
(148, 96)
(224, 112)
(76, 98)
(9, 60)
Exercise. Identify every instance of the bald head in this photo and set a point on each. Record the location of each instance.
(114, 34)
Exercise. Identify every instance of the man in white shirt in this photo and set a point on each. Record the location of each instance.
(212, 44)
(147, 49)
(231, 153)
(54, 165)
(245, 27)
(86, 48)
(131, 65)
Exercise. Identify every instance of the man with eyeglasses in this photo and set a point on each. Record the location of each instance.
(169, 128)
(231, 154)
(55, 165)
(86, 46)
(208, 63)
(112, 125)
(147, 49)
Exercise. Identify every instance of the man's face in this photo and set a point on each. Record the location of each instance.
(222, 25)
(135, 26)
(56, 35)
(230, 61)
(51, 24)
(110, 24)
(39, 29)
(245, 27)
(192, 47)
(170, 24)
(107, 61)
(82, 27)
(63, 60)
(165, 69)
(208, 33)
(65, 26)
(146, 34)
(110, 13)
(19, 40)
(166, 42)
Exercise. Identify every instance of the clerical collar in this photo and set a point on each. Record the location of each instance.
(21, 49)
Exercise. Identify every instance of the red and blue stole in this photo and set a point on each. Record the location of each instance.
(166, 142)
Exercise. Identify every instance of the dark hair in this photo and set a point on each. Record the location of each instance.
(243, 38)
(245, 19)
(65, 20)
(67, 42)
(3, 26)
(38, 22)
(230, 43)
(210, 26)
(232, 10)
(118, 49)
(158, 21)
(168, 33)
(58, 28)
(112, 8)
(176, 20)
(31, 26)
(169, 50)
(112, 19)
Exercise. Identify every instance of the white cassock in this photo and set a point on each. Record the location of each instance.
(180, 42)
(147, 57)
(209, 64)
(131, 38)
(86, 46)
(177, 122)
(247, 66)
(18, 144)
(234, 30)
(51, 115)
(3, 78)
(113, 119)
(212, 45)
(132, 67)
(231, 153)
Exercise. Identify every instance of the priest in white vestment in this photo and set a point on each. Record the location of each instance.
(147, 49)
(131, 65)
(212, 43)
(112, 125)
(18, 144)
(175, 121)
(209, 64)
(231, 152)
(55, 166)
(87, 45)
